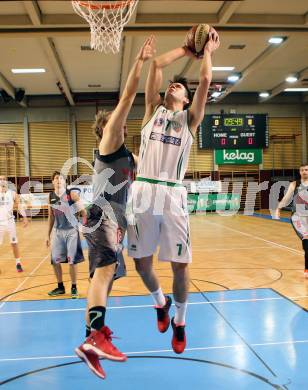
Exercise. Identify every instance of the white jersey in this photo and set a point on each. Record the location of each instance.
(6, 206)
(165, 146)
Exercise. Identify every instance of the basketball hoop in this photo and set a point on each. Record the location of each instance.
(107, 20)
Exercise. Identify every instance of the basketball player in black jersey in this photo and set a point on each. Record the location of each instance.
(106, 224)
(298, 190)
(65, 243)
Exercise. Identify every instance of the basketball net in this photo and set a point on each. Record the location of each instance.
(107, 20)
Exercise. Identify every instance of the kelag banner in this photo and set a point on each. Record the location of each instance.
(213, 202)
(238, 156)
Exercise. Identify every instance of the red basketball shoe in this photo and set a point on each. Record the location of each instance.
(92, 361)
(99, 343)
(163, 319)
(178, 338)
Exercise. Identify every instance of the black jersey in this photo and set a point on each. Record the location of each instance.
(111, 181)
(61, 207)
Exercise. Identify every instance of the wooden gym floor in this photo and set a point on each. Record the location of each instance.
(238, 252)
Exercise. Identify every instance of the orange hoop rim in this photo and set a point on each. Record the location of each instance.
(121, 4)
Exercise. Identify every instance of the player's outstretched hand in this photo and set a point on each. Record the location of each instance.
(48, 242)
(213, 42)
(148, 49)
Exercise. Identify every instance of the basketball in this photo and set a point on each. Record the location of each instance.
(196, 38)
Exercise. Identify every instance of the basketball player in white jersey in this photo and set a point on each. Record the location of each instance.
(298, 191)
(158, 200)
(9, 200)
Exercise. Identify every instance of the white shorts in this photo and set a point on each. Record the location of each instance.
(10, 228)
(157, 216)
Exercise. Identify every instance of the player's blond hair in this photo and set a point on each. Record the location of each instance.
(101, 119)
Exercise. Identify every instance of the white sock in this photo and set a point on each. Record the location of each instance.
(18, 260)
(180, 313)
(158, 297)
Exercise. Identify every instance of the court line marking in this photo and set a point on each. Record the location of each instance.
(12, 259)
(257, 238)
(24, 281)
(288, 342)
(194, 248)
(145, 306)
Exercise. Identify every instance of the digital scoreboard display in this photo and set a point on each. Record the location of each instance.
(234, 131)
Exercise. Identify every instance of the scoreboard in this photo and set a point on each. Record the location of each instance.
(234, 131)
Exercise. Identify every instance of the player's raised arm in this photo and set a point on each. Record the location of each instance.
(197, 108)
(113, 131)
(155, 79)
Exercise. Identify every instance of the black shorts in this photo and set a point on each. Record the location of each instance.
(105, 244)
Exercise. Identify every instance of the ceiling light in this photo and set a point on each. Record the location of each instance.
(216, 94)
(234, 77)
(276, 40)
(222, 68)
(28, 70)
(296, 90)
(264, 94)
(291, 79)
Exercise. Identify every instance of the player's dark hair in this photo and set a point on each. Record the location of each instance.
(101, 119)
(304, 165)
(184, 82)
(56, 173)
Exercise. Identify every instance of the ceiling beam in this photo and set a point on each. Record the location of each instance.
(35, 15)
(53, 57)
(227, 10)
(303, 74)
(15, 21)
(267, 20)
(187, 67)
(279, 88)
(34, 12)
(256, 63)
(137, 31)
(7, 86)
(175, 19)
(9, 89)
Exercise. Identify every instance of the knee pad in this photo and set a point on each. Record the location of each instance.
(305, 245)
